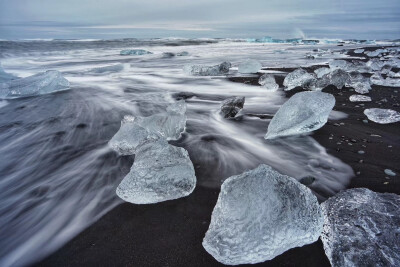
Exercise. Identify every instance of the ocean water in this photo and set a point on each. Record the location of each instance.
(57, 173)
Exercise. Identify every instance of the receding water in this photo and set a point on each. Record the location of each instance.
(57, 174)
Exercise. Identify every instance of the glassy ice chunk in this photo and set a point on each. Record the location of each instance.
(321, 72)
(200, 70)
(375, 64)
(129, 137)
(231, 106)
(159, 173)
(382, 116)
(359, 98)
(375, 53)
(169, 125)
(394, 62)
(393, 74)
(338, 78)
(358, 51)
(304, 112)
(360, 83)
(112, 68)
(42, 83)
(249, 66)
(361, 228)
(136, 52)
(377, 79)
(299, 77)
(338, 64)
(389, 172)
(259, 215)
(268, 82)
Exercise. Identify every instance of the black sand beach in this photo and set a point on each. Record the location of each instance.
(171, 233)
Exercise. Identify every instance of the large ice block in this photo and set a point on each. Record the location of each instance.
(159, 173)
(361, 228)
(259, 215)
(134, 52)
(42, 83)
(302, 113)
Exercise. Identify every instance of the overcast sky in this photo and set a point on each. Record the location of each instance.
(107, 19)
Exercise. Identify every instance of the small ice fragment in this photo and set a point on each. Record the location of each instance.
(361, 152)
(302, 113)
(42, 83)
(259, 215)
(112, 68)
(137, 52)
(201, 70)
(159, 173)
(321, 72)
(231, 106)
(390, 172)
(358, 51)
(268, 82)
(377, 79)
(299, 77)
(393, 74)
(360, 98)
(361, 228)
(249, 66)
(382, 116)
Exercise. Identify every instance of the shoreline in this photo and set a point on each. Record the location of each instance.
(170, 233)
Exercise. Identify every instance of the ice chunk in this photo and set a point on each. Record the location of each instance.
(338, 64)
(200, 70)
(129, 137)
(231, 106)
(42, 83)
(382, 116)
(321, 72)
(135, 131)
(137, 52)
(268, 82)
(393, 74)
(112, 68)
(394, 62)
(249, 66)
(338, 78)
(159, 173)
(299, 77)
(358, 51)
(259, 215)
(359, 98)
(375, 53)
(361, 228)
(360, 83)
(377, 79)
(389, 172)
(304, 112)
(169, 125)
(375, 64)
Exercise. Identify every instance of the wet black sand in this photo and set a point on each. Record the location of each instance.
(170, 233)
